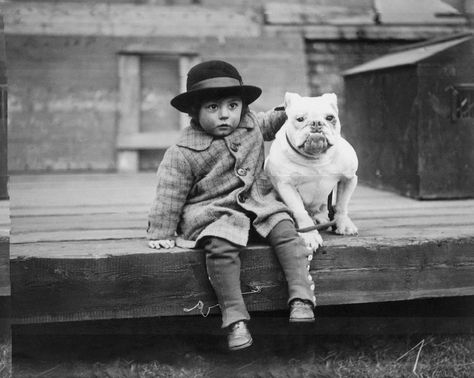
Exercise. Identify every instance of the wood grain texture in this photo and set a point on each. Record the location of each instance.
(78, 243)
(4, 267)
(4, 248)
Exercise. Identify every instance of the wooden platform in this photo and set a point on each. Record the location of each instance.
(79, 252)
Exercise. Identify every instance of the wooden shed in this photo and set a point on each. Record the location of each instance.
(410, 117)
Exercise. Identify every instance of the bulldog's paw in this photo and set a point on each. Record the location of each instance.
(312, 239)
(344, 226)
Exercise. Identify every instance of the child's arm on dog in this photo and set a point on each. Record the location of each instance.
(175, 179)
(271, 121)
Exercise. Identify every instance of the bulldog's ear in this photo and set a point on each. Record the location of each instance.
(290, 97)
(332, 99)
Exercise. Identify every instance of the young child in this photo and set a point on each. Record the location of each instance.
(210, 192)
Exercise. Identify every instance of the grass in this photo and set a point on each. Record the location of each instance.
(424, 338)
(271, 356)
(5, 359)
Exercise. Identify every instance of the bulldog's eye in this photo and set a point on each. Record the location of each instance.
(300, 119)
(330, 118)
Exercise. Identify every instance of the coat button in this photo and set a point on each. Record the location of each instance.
(241, 171)
(234, 146)
(242, 197)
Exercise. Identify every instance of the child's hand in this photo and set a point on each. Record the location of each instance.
(157, 244)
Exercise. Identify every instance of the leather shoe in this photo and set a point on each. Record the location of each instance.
(239, 336)
(301, 311)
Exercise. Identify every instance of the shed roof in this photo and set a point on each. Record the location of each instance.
(417, 12)
(408, 56)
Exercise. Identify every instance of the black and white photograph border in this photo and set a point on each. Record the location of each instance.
(89, 120)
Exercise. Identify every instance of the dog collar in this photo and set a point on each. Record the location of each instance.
(298, 151)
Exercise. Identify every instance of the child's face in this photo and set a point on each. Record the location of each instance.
(220, 117)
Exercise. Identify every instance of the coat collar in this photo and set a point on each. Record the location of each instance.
(195, 138)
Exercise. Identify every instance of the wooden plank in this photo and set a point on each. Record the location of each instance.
(4, 248)
(378, 32)
(4, 267)
(388, 12)
(420, 12)
(361, 208)
(43, 194)
(186, 62)
(125, 20)
(92, 207)
(129, 110)
(3, 117)
(127, 229)
(304, 14)
(121, 220)
(52, 195)
(168, 283)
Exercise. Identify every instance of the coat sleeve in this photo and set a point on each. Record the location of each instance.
(175, 179)
(270, 122)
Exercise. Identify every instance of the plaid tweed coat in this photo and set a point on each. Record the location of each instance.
(210, 186)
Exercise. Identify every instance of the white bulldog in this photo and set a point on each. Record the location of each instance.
(308, 159)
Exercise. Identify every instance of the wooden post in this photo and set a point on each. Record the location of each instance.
(129, 109)
(185, 63)
(3, 118)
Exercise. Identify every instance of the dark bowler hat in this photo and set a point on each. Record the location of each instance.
(213, 78)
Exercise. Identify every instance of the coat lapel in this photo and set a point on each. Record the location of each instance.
(195, 139)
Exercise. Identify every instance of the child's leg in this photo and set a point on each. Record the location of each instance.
(223, 268)
(294, 259)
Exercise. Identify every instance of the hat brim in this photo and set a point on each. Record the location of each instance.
(185, 101)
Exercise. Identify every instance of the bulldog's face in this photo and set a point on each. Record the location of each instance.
(313, 124)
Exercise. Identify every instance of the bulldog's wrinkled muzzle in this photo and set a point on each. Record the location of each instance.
(316, 143)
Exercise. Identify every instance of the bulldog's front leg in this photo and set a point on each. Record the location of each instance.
(344, 225)
(292, 199)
